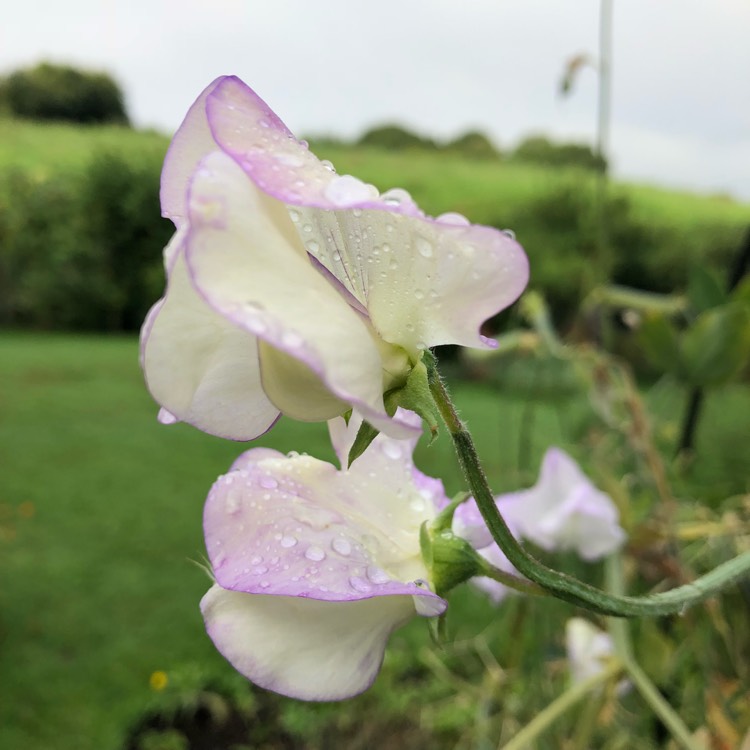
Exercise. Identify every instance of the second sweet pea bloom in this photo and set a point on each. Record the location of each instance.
(294, 290)
(563, 511)
(314, 567)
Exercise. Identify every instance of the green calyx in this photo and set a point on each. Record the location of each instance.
(414, 394)
(449, 559)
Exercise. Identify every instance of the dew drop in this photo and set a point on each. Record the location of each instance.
(313, 246)
(219, 560)
(232, 503)
(264, 584)
(315, 554)
(256, 560)
(360, 584)
(291, 340)
(391, 449)
(377, 575)
(417, 505)
(424, 247)
(509, 233)
(418, 294)
(342, 546)
(288, 541)
(260, 570)
(268, 483)
(328, 165)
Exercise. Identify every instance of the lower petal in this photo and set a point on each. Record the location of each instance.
(303, 648)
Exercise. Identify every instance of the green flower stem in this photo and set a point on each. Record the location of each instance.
(620, 633)
(511, 581)
(559, 584)
(560, 706)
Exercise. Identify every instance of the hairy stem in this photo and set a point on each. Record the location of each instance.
(559, 584)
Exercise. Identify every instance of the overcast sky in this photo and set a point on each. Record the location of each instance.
(681, 68)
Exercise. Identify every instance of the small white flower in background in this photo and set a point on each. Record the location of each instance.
(588, 649)
(294, 290)
(563, 511)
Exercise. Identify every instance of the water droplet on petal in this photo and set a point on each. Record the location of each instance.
(424, 247)
(342, 546)
(313, 246)
(233, 502)
(264, 584)
(417, 505)
(328, 165)
(377, 575)
(359, 584)
(260, 570)
(268, 482)
(391, 449)
(291, 340)
(316, 554)
(219, 560)
(453, 218)
(509, 233)
(418, 294)
(288, 541)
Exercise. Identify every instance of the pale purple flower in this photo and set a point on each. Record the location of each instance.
(314, 566)
(294, 290)
(563, 511)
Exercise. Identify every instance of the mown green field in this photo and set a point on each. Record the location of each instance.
(100, 527)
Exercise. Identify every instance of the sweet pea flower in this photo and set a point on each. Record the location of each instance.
(563, 511)
(294, 290)
(588, 649)
(314, 567)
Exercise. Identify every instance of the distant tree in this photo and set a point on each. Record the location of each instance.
(474, 145)
(60, 92)
(395, 137)
(541, 150)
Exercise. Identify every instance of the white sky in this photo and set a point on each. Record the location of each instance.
(681, 84)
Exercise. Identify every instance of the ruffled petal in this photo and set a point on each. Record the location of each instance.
(303, 648)
(192, 141)
(295, 526)
(200, 368)
(423, 281)
(565, 511)
(244, 258)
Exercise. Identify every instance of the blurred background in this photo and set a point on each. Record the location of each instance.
(613, 139)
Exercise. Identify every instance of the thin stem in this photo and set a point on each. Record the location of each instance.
(561, 585)
(561, 705)
(620, 633)
(511, 581)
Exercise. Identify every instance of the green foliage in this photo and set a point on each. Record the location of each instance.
(60, 92)
(395, 138)
(539, 149)
(100, 518)
(473, 145)
(82, 250)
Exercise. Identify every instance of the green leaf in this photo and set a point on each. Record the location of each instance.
(704, 290)
(365, 435)
(716, 347)
(658, 338)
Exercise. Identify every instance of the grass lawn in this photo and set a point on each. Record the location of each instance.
(100, 522)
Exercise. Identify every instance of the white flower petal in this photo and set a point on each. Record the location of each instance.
(244, 258)
(202, 369)
(303, 648)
